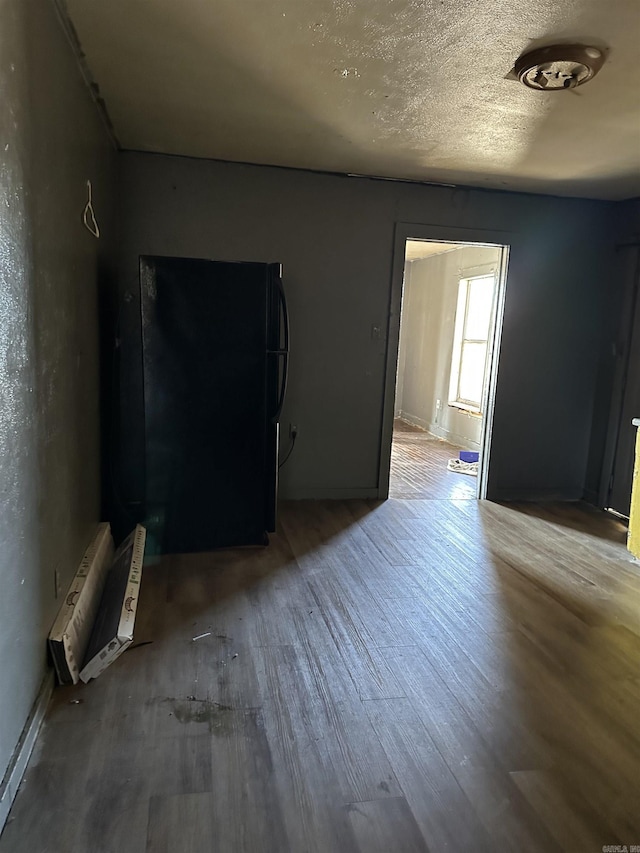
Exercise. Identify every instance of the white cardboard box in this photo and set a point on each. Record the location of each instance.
(116, 615)
(70, 634)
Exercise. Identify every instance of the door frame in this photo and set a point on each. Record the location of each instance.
(622, 335)
(446, 234)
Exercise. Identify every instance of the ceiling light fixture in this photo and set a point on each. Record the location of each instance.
(558, 67)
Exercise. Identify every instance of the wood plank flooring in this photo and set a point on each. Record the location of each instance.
(416, 675)
(419, 467)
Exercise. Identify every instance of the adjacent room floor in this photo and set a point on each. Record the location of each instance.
(411, 676)
(419, 467)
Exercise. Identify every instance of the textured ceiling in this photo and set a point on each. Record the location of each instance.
(398, 88)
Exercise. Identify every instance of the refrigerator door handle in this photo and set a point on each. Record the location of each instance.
(284, 352)
(285, 313)
(283, 387)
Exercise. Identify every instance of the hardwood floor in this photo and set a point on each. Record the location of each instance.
(419, 467)
(413, 676)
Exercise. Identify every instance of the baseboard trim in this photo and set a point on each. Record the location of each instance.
(22, 752)
(454, 437)
(533, 495)
(321, 493)
(414, 420)
(592, 497)
(440, 432)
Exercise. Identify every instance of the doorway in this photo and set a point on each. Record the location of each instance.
(449, 330)
(617, 475)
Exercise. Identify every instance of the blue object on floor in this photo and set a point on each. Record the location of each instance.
(469, 455)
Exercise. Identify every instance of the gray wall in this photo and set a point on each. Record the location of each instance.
(335, 237)
(429, 304)
(52, 141)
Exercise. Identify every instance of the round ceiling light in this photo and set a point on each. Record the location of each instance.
(559, 66)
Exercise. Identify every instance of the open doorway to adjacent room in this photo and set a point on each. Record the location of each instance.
(449, 328)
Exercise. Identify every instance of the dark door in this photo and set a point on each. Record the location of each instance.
(207, 392)
(622, 477)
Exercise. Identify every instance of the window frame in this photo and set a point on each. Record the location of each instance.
(460, 323)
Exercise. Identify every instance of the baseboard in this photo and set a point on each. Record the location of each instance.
(22, 753)
(440, 432)
(534, 495)
(592, 497)
(322, 493)
(454, 437)
(437, 430)
(414, 420)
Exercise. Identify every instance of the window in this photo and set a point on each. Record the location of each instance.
(470, 341)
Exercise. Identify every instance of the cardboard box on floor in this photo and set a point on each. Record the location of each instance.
(70, 634)
(113, 629)
(95, 624)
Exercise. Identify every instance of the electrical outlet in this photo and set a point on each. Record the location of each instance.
(293, 430)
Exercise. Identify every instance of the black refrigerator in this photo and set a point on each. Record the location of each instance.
(215, 342)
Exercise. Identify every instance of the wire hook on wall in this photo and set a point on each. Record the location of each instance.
(88, 216)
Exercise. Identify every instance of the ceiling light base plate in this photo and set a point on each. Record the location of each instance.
(559, 67)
